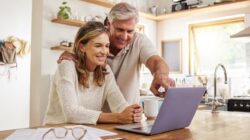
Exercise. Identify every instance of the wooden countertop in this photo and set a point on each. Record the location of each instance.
(205, 126)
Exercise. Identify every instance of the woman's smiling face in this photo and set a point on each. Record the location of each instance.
(96, 51)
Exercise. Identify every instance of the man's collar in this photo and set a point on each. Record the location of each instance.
(125, 50)
(122, 51)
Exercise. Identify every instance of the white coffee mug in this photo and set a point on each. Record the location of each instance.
(151, 108)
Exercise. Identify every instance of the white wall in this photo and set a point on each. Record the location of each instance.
(53, 34)
(15, 92)
(178, 28)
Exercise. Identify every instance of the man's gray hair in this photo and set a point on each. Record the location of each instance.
(123, 11)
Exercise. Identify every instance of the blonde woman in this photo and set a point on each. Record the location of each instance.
(81, 87)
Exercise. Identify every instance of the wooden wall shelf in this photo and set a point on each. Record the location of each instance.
(62, 48)
(214, 8)
(240, 4)
(78, 23)
(107, 4)
(71, 22)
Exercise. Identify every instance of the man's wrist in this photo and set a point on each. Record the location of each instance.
(161, 73)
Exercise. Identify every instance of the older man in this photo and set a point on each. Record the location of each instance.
(129, 50)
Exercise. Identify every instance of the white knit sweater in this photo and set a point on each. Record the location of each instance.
(70, 102)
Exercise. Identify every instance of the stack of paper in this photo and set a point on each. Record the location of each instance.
(37, 134)
(22, 134)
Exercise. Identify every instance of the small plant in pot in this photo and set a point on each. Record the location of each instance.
(64, 12)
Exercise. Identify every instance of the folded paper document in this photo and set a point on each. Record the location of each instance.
(35, 134)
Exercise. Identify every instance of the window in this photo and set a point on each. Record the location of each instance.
(210, 44)
(172, 54)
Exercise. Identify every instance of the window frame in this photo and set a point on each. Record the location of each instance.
(193, 70)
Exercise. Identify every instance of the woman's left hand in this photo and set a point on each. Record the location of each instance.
(137, 114)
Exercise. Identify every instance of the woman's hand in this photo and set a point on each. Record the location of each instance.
(131, 114)
(137, 116)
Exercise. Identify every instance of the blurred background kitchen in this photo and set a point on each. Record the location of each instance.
(193, 36)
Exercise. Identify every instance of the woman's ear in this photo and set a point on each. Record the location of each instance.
(81, 47)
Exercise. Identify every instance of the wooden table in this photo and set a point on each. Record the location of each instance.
(205, 126)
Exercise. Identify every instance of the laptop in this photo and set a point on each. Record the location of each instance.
(176, 112)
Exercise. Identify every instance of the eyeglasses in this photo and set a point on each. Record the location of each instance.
(61, 132)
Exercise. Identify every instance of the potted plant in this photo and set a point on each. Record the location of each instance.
(64, 12)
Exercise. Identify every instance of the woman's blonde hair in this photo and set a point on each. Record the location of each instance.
(87, 32)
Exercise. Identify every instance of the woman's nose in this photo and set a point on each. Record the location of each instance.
(105, 50)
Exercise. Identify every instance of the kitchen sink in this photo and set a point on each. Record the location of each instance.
(204, 106)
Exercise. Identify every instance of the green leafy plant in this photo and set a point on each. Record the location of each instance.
(64, 11)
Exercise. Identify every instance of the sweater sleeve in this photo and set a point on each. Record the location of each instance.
(66, 84)
(115, 99)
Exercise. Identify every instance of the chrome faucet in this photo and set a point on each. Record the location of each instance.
(215, 103)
